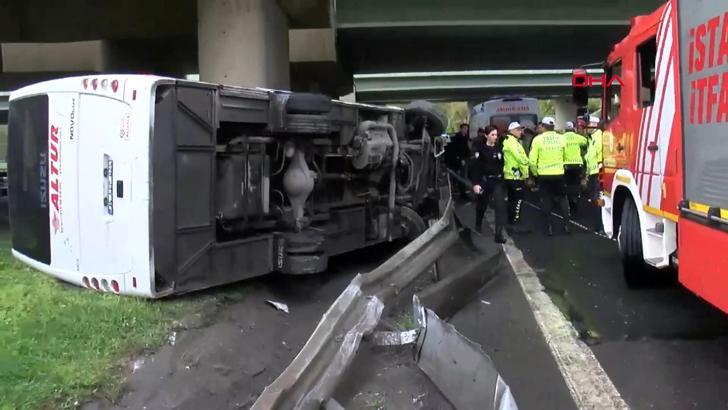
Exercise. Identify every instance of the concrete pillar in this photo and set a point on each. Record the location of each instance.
(565, 111)
(243, 42)
(312, 45)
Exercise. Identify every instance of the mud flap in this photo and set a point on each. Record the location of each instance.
(459, 368)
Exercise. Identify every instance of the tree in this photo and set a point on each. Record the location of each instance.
(457, 113)
(546, 108)
(594, 105)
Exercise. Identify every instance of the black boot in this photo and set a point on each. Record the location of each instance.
(550, 230)
(573, 208)
(499, 238)
(567, 229)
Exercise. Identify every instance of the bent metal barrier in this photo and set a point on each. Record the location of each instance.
(312, 376)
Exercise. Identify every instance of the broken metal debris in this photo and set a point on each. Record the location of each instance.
(278, 305)
(456, 365)
(460, 369)
(419, 398)
(137, 364)
(395, 338)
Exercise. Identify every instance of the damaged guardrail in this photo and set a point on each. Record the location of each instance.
(459, 368)
(312, 376)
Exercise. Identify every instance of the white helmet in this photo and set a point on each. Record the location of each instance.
(548, 121)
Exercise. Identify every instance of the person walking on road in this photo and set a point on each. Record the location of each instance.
(574, 165)
(515, 170)
(594, 163)
(547, 164)
(486, 173)
(456, 154)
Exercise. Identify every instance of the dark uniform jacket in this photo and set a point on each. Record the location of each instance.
(457, 151)
(486, 162)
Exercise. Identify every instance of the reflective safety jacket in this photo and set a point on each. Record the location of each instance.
(594, 153)
(515, 165)
(547, 154)
(574, 145)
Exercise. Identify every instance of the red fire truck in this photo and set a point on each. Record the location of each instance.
(665, 173)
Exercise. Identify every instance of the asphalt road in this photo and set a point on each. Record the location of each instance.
(501, 321)
(663, 347)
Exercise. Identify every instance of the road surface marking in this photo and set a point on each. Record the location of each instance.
(588, 383)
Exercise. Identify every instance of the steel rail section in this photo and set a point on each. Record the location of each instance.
(463, 373)
(310, 379)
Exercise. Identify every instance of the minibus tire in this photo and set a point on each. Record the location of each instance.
(436, 118)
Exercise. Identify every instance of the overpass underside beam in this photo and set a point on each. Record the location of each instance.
(26, 63)
(465, 85)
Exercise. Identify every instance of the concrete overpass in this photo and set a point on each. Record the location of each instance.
(382, 35)
(311, 45)
(472, 86)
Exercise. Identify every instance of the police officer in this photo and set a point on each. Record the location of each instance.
(456, 155)
(594, 160)
(529, 131)
(547, 164)
(574, 165)
(515, 170)
(540, 129)
(486, 173)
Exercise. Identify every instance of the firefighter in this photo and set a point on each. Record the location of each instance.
(546, 160)
(573, 165)
(486, 173)
(594, 163)
(456, 155)
(515, 170)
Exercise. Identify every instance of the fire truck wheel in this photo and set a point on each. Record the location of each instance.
(636, 271)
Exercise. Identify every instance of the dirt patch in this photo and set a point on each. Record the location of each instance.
(228, 354)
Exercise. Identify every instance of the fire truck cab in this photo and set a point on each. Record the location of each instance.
(665, 175)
